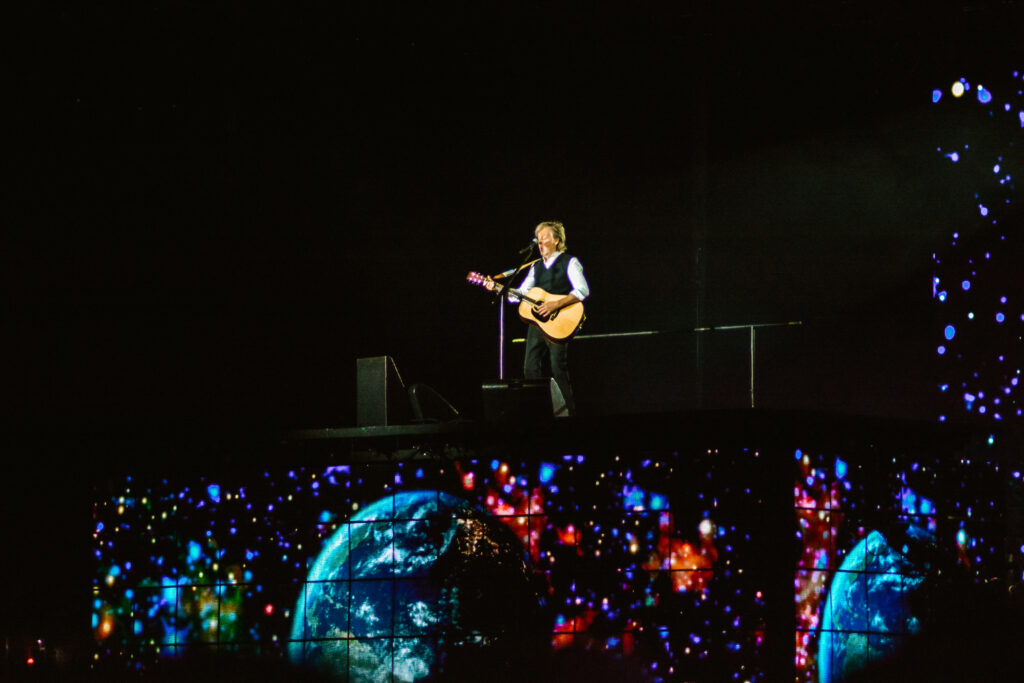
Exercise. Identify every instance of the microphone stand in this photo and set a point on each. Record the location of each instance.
(501, 295)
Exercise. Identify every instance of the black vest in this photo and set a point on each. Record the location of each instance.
(554, 280)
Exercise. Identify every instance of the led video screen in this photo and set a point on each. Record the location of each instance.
(666, 563)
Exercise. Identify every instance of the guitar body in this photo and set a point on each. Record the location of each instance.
(561, 325)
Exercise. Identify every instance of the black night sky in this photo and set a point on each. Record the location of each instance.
(214, 209)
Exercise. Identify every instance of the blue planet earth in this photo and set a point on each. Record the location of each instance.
(412, 586)
(867, 614)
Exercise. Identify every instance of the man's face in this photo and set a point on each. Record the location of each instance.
(546, 242)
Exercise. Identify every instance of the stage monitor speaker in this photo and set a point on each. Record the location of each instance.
(522, 400)
(381, 398)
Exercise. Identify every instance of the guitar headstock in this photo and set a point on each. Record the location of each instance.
(475, 278)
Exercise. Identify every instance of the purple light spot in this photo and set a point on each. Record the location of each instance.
(936, 95)
(984, 96)
(950, 332)
(941, 350)
(995, 169)
(982, 209)
(1002, 299)
(1020, 115)
(955, 157)
(1000, 317)
(966, 284)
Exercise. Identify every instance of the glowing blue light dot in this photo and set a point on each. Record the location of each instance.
(547, 472)
(955, 157)
(970, 315)
(942, 295)
(841, 469)
(1002, 299)
(966, 284)
(982, 209)
(984, 96)
(943, 387)
(950, 332)
(1000, 317)
(941, 350)
(213, 491)
(936, 95)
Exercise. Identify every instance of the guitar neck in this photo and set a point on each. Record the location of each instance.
(478, 279)
(522, 295)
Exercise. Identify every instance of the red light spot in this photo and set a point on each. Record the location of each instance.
(268, 610)
(30, 661)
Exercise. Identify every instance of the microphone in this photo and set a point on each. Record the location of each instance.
(529, 247)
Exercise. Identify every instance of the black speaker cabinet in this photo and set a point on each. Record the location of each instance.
(522, 400)
(381, 398)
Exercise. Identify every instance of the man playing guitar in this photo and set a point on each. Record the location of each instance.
(561, 275)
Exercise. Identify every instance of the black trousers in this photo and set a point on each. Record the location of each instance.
(548, 359)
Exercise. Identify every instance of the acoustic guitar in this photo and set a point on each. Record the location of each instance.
(559, 326)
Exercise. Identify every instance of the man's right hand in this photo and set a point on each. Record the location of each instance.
(489, 284)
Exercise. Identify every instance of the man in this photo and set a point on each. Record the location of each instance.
(561, 275)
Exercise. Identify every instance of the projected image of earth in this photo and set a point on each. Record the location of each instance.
(414, 585)
(868, 609)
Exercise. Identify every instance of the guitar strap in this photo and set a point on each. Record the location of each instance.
(510, 273)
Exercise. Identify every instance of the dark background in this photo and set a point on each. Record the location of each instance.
(213, 209)
(216, 209)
